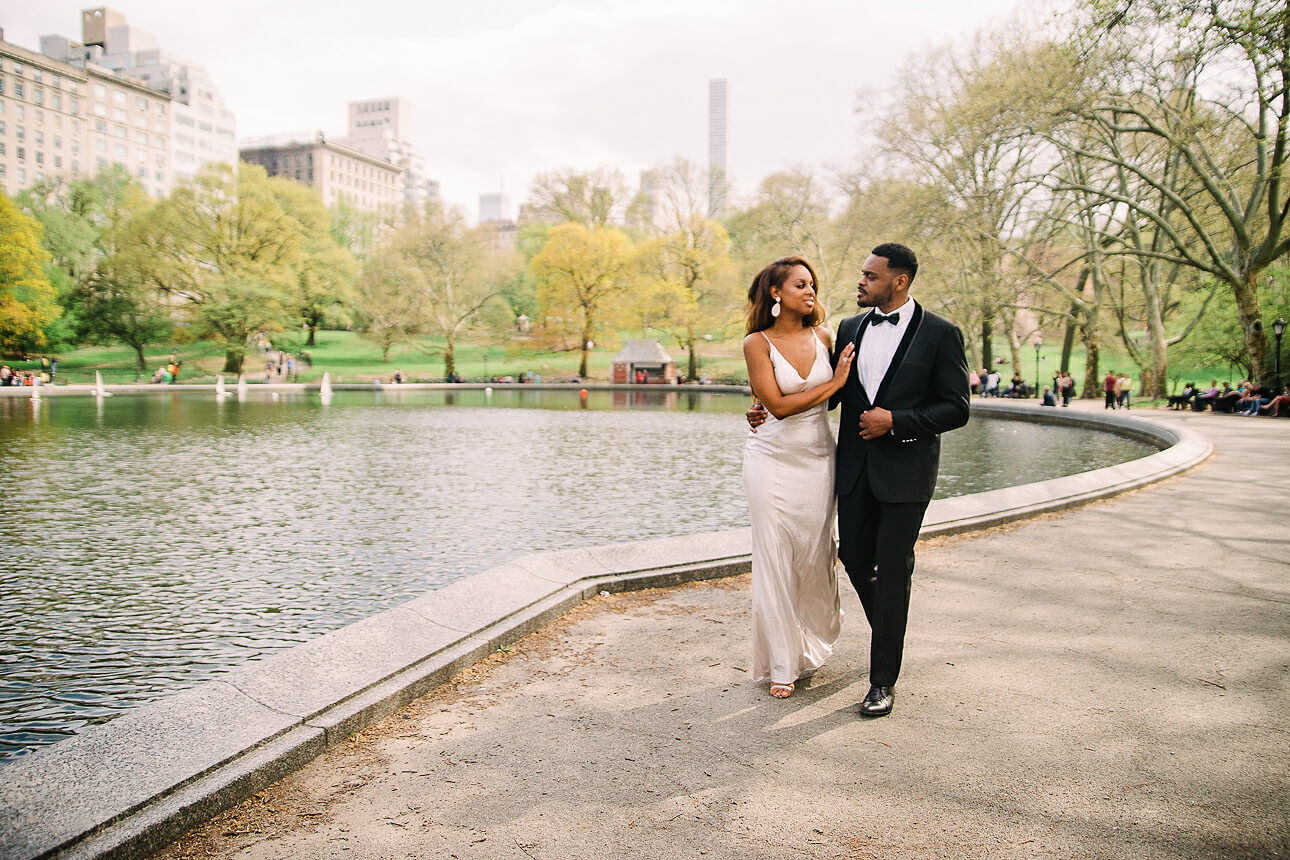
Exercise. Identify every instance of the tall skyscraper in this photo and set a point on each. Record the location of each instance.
(493, 207)
(716, 147)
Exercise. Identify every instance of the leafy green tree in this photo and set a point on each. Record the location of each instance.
(1205, 81)
(794, 213)
(76, 214)
(354, 229)
(432, 277)
(582, 280)
(229, 254)
(690, 289)
(117, 305)
(390, 314)
(28, 301)
(326, 271)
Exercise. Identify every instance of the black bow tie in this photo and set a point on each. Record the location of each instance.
(878, 319)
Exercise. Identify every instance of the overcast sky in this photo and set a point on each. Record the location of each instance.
(504, 89)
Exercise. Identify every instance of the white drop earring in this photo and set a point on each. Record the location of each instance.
(774, 311)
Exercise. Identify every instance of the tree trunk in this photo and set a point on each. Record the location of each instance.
(450, 357)
(1256, 339)
(586, 339)
(139, 362)
(694, 362)
(313, 330)
(1068, 340)
(987, 345)
(233, 359)
(1092, 388)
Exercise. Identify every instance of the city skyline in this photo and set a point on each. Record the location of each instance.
(525, 87)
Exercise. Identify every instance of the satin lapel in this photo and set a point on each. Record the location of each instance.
(901, 352)
(862, 326)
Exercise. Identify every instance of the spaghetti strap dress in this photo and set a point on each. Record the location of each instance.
(788, 478)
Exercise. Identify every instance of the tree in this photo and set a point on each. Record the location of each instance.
(961, 126)
(86, 221)
(224, 248)
(793, 214)
(690, 288)
(433, 277)
(354, 229)
(27, 298)
(116, 304)
(593, 198)
(1208, 81)
(326, 271)
(76, 214)
(580, 272)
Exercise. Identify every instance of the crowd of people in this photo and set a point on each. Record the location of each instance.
(45, 376)
(1245, 399)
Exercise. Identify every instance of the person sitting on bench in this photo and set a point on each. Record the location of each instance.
(1180, 401)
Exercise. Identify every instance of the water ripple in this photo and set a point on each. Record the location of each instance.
(150, 542)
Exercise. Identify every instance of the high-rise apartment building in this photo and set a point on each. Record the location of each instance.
(716, 147)
(200, 129)
(59, 119)
(383, 128)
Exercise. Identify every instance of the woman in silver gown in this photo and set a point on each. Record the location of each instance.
(788, 476)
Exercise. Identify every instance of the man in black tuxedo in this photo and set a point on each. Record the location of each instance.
(908, 384)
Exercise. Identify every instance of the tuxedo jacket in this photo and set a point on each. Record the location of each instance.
(925, 389)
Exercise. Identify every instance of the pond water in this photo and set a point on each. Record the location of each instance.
(150, 541)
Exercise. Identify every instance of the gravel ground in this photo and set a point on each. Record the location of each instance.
(1107, 682)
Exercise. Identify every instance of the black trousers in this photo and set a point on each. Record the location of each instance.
(876, 544)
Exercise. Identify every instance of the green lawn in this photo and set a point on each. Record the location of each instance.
(349, 357)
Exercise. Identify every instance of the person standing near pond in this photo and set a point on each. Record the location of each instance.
(1124, 391)
(788, 476)
(910, 384)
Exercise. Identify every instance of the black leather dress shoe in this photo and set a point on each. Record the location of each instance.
(878, 703)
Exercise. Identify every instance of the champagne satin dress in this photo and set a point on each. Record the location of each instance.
(788, 477)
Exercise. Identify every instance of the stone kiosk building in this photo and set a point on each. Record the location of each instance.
(646, 355)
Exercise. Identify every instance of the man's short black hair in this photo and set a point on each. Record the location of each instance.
(899, 258)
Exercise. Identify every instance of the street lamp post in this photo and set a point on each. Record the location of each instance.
(1038, 343)
(1278, 329)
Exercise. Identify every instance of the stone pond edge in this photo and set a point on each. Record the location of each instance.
(132, 786)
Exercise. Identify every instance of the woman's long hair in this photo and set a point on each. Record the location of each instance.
(760, 301)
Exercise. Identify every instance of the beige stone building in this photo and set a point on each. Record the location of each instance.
(60, 120)
(42, 127)
(339, 173)
(113, 98)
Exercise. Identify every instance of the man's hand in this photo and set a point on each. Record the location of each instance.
(875, 423)
(756, 415)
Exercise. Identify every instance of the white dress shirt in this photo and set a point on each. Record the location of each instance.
(879, 345)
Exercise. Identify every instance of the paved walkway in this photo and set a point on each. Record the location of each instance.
(1112, 681)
